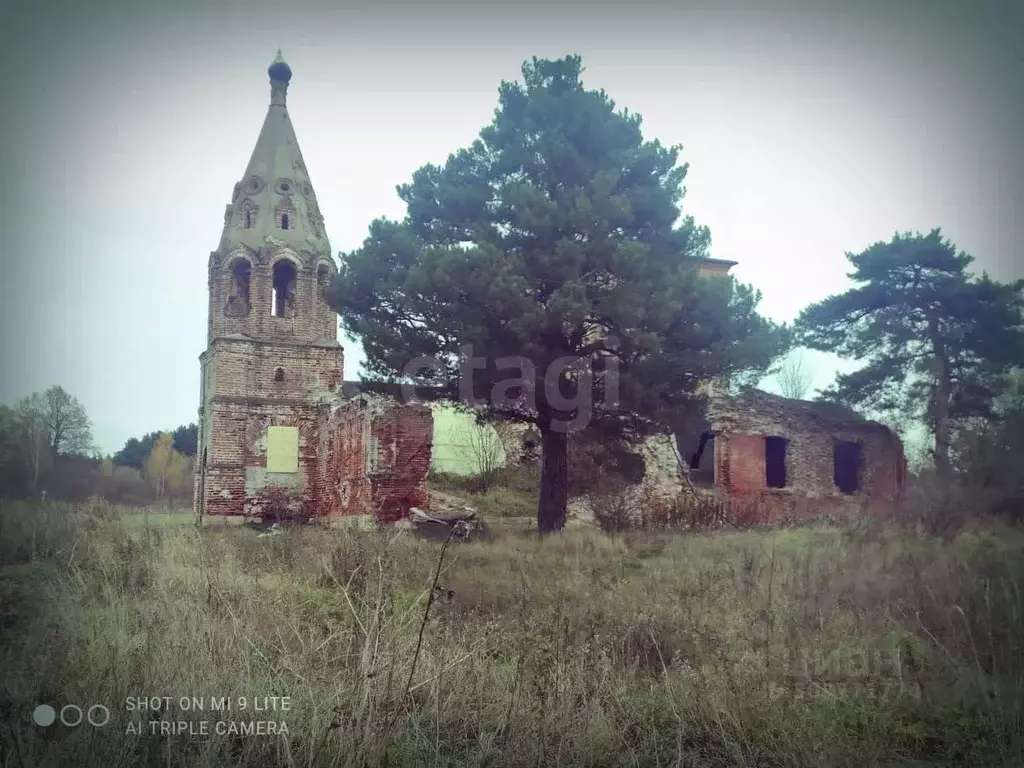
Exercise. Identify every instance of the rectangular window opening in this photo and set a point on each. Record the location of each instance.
(775, 462)
(847, 458)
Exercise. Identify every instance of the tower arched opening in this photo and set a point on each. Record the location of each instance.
(323, 281)
(283, 297)
(239, 281)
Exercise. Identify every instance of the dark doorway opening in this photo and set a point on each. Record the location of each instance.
(702, 462)
(847, 458)
(775, 461)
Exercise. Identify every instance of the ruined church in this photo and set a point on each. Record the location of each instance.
(282, 435)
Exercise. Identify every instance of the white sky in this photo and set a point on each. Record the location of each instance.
(810, 131)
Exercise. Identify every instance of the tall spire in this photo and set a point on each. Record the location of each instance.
(274, 202)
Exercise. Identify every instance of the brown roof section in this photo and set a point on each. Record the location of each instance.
(756, 406)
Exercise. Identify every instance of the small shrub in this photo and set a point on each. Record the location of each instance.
(646, 509)
(655, 645)
(613, 512)
(29, 531)
(601, 465)
(645, 544)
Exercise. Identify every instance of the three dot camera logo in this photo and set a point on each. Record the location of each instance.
(71, 715)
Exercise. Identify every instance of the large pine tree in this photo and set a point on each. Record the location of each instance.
(936, 341)
(546, 273)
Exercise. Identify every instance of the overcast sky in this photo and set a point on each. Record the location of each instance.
(810, 129)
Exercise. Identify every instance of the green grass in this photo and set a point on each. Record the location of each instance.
(818, 645)
(502, 502)
(140, 519)
(510, 492)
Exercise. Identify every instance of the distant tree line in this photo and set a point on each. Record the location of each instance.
(137, 449)
(47, 451)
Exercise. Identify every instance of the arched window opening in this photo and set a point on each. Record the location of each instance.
(323, 281)
(284, 214)
(238, 289)
(283, 298)
(245, 213)
(279, 374)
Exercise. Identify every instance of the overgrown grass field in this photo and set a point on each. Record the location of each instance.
(818, 645)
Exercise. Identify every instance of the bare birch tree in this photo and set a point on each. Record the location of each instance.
(794, 377)
(33, 436)
(483, 450)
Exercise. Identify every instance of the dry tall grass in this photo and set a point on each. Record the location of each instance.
(809, 646)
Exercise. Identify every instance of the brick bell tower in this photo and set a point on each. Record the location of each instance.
(272, 355)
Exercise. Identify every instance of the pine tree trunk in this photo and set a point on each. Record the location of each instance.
(554, 481)
(942, 400)
(942, 431)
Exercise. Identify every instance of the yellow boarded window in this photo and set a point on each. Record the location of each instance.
(282, 449)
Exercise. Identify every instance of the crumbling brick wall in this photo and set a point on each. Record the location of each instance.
(248, 386)
(360, 456)
(238, 482)
(381, 449)
(741, 426)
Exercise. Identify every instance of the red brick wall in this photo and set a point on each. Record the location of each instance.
(237, 482)
(349, 428)
(810, 490)
(326, 499)
(404, 435)
(333, 443)
(746, 462)
(247, 369)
